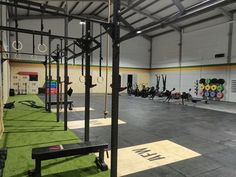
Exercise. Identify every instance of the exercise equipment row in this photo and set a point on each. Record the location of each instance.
(211, 81)
(208, 87)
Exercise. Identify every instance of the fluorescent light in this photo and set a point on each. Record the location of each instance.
(82, 22)
(138, 32)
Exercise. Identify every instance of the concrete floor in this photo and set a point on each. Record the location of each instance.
(210, 133)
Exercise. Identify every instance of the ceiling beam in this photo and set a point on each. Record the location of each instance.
(132, 28)
(86, 7)
(148, 14)
(226, 13)
(179, 17)
(179, 5)
(97, 8)
(73, 7)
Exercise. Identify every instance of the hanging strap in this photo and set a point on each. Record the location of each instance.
(42, 26)
(82, 63)
(33, 44)
(100, 60)
(74, 53)
(164, 82)
(16, 25)
(61, 50)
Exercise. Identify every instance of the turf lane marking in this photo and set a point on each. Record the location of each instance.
(100, 122)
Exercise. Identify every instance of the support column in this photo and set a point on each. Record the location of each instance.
(180, 57)
(115, 86)
(66, 78)
(229, 57)
(87, 81)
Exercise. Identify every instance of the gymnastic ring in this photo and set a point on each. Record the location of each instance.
(202, 87)
(20, 45)
(207, 87)
(82, 79)
(100, 79)
(17, 56)
(213, 87)
(42, 48)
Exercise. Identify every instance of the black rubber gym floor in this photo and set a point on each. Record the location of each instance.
(209, 133)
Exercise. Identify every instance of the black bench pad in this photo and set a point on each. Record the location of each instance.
(65, 150)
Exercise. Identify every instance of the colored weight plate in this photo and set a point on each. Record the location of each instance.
(207, 94)
(208, 81)
(214, 81)
(213, 94)
(213, 87)
(202, 87)
(201, 93)
(221, 81)
(202, 81)
(220, 88)
(220, 95)
(207, 87)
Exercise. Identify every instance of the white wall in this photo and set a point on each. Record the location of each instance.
(199, 48)
(134, 53)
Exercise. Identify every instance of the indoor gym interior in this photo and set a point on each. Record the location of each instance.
(133, 88)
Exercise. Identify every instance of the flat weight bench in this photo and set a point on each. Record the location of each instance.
(70, 103)
(58, 151)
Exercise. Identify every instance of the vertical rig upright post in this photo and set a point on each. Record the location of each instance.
(66, 78)
(49, 73)
(87, 81)
(58, 84)
(46, 81)
(115, 86)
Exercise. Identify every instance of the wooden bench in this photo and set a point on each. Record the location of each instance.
(58, 151)
(69, 102)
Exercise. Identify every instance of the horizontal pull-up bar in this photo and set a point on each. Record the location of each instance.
(27, 31)
(43, 9)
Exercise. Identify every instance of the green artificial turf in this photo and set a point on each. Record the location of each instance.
(26, 128)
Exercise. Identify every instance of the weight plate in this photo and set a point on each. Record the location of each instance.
(207, 87)
(220, 88)
(213, 87)
(208, 81)
(202, 81)
(213, 94)
(220, 95)
(207, 94)
(202, 87)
